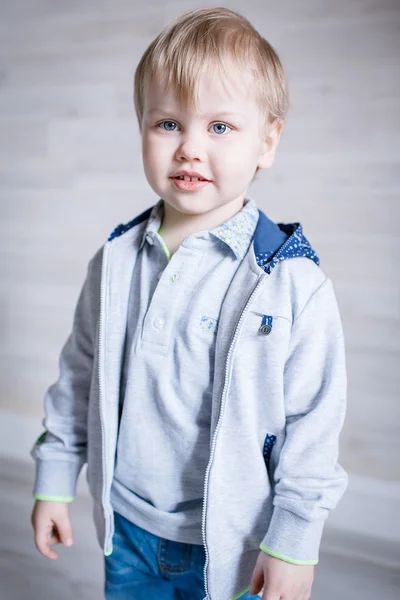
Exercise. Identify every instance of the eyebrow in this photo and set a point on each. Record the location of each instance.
(219, 114)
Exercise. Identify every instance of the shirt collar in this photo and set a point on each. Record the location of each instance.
(237, 232)
(154, 221)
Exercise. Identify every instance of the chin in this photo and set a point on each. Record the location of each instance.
(187, 206)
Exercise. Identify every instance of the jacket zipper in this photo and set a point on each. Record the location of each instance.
(104, 267)
(227, 366)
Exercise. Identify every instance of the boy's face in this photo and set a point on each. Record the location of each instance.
(223, 142)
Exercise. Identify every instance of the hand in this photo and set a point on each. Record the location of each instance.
(281, 580)
(52, 525)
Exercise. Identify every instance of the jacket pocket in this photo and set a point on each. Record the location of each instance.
(269, 442)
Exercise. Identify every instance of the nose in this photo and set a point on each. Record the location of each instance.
(192, 148)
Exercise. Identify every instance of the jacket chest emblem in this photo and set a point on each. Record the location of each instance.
(266, 325)
(209, 324)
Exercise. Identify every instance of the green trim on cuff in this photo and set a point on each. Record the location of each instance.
(54, 498)
(109, 552)
(286, 558)
(240, 593)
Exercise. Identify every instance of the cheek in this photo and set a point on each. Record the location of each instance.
(239, 158)
(156, 153)
(147, 149)
(152, 157)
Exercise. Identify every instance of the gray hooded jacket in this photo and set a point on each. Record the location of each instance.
(278, 405)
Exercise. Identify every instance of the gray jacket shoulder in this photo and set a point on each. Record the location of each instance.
(299, 279)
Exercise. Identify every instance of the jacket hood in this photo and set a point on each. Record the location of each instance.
(273, 242)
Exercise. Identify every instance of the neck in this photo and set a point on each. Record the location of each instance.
(176, 226)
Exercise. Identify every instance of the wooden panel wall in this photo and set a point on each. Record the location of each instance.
(71, 169)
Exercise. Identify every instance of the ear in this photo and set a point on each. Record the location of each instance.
(269, 143)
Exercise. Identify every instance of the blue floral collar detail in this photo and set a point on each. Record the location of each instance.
(237, 232)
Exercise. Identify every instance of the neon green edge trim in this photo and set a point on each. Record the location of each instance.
(167, 252)
(287, 559)
(163, 245)
(240, 594)
(41, 438)
(54, 498)
(108, 553)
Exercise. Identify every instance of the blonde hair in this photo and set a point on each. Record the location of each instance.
(216, 37)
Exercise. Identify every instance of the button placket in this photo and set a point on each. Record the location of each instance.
(159, 322)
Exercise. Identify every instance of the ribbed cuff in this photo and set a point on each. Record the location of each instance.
(56, 479)
(292, 538)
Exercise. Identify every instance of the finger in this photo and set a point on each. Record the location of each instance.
(54, 538)
(259, 594)
(303, 595)
(64, 532)
(270, 595)
(257, 581)
(42, 542)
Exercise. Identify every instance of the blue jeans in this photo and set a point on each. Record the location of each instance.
(143, 566)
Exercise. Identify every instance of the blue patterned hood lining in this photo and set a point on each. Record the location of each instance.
(274, 243)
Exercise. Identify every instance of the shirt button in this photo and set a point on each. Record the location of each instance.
(158, 323)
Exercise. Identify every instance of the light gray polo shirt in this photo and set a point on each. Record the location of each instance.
(168, 367)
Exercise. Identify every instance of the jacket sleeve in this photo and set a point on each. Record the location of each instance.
(60, 452)
(308, 480)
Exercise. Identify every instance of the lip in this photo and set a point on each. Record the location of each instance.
(189, 186)
(189, 174)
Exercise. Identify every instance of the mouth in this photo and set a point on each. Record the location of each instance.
(189, 184)
(188, 178)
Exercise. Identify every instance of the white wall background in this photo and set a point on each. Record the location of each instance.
(70, 170)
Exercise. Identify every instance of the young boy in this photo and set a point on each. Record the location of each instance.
(204, 379)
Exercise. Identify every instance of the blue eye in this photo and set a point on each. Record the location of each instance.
(221, 125)
(169, 122)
